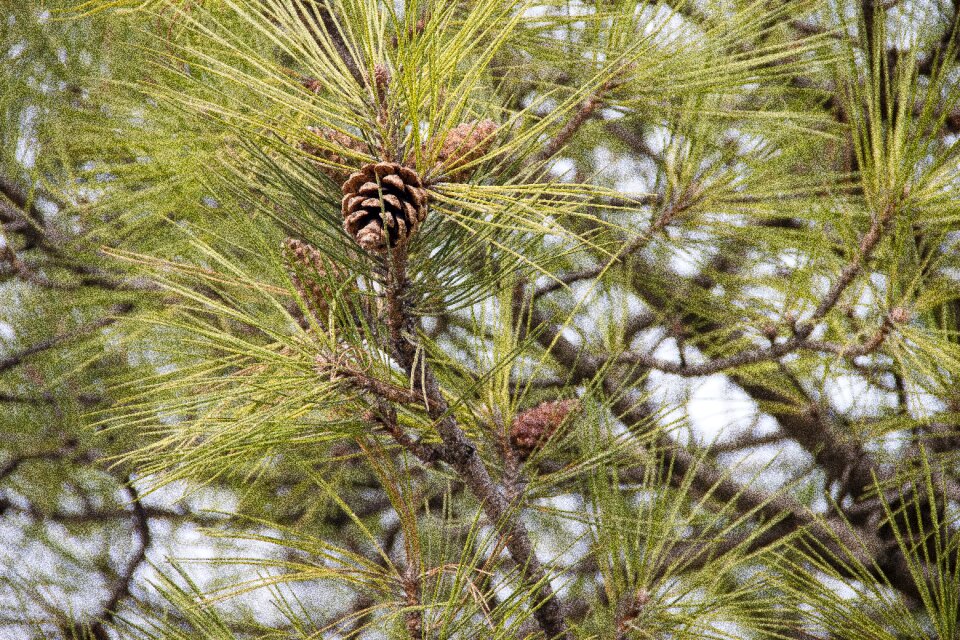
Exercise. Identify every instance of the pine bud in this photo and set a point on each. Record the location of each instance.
(309, 271)
(899, 315)
(383, 205)
(630, 608)
(532, 428)
(770, 331)
(381, 81)
(462, 145)
(330, 153)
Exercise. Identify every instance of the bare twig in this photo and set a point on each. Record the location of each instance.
(96, 627)
(16, 206)
(10, 466)
(141, 525)
(667, 215)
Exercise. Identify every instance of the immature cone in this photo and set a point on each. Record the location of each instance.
(309, 271)
(381, 81)
(899, 315)
(463, 144)
(336, 139)
(383, 205)
(532, 428)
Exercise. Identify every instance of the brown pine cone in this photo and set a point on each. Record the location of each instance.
(385, 193)
(336, 139)
(309, 270)
(531, 429)
(463, 144)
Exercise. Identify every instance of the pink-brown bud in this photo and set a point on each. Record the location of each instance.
(333, 152)
(381, 81)
(532, 428)
(462, 145)
(899, 315)
(310, 272)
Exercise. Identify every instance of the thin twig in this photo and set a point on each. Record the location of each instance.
(386, 417)
(667, 215)
(15, 206)
(10, 466)
(141, 524)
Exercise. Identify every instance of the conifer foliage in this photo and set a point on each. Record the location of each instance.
(479, 319)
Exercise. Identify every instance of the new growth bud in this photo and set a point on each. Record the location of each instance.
(381, 81)
(532, 428)
(310, 272)
(462, 145)
(899, 315)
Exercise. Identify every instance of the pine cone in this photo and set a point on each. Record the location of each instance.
(463, 144)
(385, 193)
(309, 271)
(532, 428)
(336, 139)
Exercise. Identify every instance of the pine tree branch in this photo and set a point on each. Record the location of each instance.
(8, 362)
(10, 466)
(386, 417)
(411, 588)
(841, 457)
(461, 454)
(843, 544)
(800, 339)
(97, 626)
(879, 224)
(16, 207)
(667, 215)
(141, 525)
(579, 117)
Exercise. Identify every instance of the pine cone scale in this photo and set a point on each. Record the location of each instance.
(352, 202)
(353, 183)
(394, 181)
(418, 197)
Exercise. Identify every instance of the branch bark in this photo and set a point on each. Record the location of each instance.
(460, 453)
